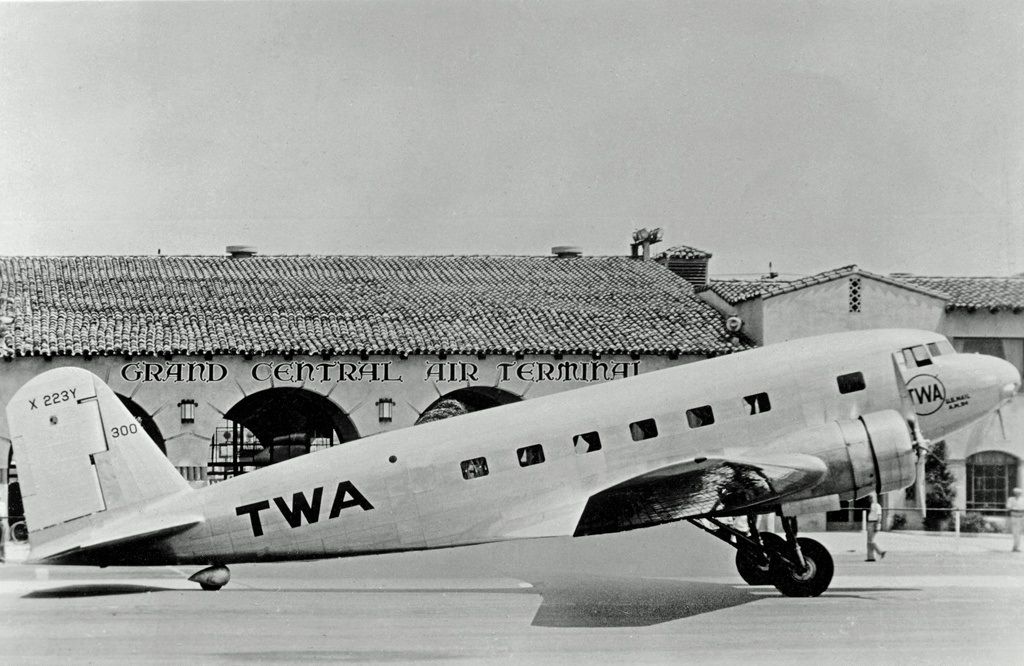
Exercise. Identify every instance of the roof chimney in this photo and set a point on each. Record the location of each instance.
(688, 263)
(241, 251)
(567, 251)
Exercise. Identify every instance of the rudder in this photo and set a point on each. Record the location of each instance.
(80, 451)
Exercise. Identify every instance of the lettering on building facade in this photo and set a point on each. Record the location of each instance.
(380, 371)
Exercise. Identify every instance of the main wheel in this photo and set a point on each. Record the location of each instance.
(751, 567)
(811, 582)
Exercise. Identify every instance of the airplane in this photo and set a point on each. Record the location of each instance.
(788, 429)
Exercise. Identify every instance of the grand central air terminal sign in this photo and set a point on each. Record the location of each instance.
(231, 408)
(380, 371)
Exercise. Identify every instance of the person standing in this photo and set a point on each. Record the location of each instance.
(1015, 505)
(874, 519)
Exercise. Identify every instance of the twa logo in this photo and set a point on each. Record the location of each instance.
(927, 393)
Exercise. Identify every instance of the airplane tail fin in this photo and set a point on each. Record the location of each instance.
(80, 452)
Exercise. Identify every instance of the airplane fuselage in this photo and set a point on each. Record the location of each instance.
(528, 469)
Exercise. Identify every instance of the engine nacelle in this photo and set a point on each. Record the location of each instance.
(871, 452)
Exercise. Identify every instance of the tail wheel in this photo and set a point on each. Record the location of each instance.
(754, 569)
(811, 582)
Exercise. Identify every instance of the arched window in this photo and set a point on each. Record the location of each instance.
(991, 476)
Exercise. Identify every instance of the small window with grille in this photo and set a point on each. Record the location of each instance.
(855, 294)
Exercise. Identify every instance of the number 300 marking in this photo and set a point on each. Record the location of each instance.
(124, 431)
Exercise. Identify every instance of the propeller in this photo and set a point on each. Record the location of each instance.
(922, 446)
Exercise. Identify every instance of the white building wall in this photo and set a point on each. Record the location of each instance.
(825, 308)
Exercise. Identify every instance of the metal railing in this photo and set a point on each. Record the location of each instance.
(953, 520)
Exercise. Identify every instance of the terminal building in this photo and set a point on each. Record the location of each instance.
(239, 361)
(236, 362)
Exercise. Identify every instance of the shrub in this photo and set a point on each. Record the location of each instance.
(899, 522)
(975, 522)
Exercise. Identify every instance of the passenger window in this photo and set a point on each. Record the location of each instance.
(474, 468)
(646, 429)
(699, 417)
(758, 403)
(587, 442)
(851, 383)
(530, 455)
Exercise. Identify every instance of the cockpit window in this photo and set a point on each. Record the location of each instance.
(916, 357)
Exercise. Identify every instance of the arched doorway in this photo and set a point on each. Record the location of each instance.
(145, 420)
(275, 425)
(464, 401)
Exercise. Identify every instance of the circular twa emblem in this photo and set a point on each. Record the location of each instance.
(927, 393)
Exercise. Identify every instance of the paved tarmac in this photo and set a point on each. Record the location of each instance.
(659, 596)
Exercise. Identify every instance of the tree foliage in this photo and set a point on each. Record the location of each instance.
(445, 409)
(941, 488)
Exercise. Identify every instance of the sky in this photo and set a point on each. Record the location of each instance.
(807, 134)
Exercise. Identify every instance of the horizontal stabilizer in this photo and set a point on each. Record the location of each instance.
(78, 547)
(698, 487)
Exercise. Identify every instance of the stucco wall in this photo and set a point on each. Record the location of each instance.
(825, 308)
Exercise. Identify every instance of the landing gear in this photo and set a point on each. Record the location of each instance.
(753, 564)
(813, 579)
(212, 578)
(797, 567)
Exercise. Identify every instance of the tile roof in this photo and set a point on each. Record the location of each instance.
(734, 292)
(683, 252)
(975, 293)
(349, 304)
(737, 291)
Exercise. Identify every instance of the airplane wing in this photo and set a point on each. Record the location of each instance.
(699, 487)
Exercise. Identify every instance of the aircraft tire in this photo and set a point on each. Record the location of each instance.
(210, 588)
(812, 582)
(749, 566)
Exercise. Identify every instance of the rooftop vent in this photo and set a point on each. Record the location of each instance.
(241, 251)
(567, 251)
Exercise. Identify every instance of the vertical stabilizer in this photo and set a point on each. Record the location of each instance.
(80, 451)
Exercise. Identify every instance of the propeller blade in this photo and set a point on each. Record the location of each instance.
(919, 483)
(908, 403)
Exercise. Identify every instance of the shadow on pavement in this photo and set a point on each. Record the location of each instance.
(72, 591)
(631, 602)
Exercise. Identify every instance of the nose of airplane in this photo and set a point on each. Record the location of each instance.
(1009, 379)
